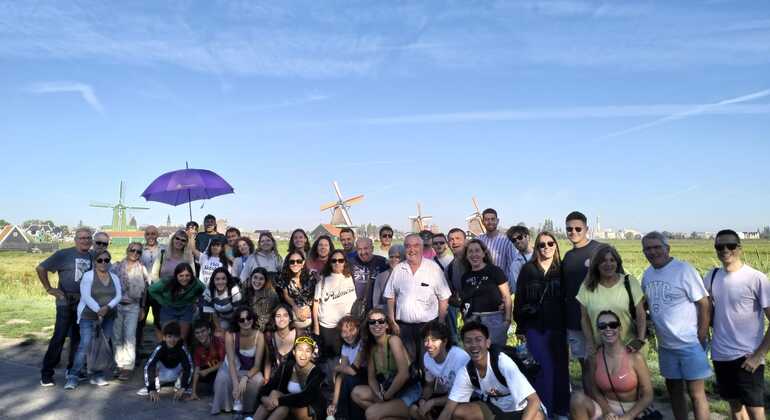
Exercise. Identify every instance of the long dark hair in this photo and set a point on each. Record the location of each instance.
(248, 289)
(173, 284)
(287, 275)
(230, 281)
(222, 254)
(305, 249)
(327, 270)
(487, 256)
(596, 260)
(236, 325)
(271, 323)
(369, 340)
(313, 254)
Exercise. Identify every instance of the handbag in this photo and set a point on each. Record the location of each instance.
(531, 310)
(649, 413)
(99, 356)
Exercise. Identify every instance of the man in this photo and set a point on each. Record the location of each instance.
(348, 240)
(417, 293)
(679, 307)
(209, 353)
(69, 264)
(101, 242)
(232, 234)
(519, 236)
(454, 273)
(386, 241)
(574, 268)
(364, 267)
(209, 233)
(443, 256)
(741, 298)
(500, 248)
(427, 244)
(504, 397)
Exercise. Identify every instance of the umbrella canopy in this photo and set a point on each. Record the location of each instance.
(185, 186)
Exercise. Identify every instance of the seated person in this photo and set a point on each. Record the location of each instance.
(620, 379)
(169, 364)
(441, 361)
(296, 388)
(208, 356)
(220, 298)
(505, 392)
(349, 372)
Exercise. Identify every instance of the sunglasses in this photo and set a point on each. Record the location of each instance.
(100, 243)
(244, 319)
(137, 251)
(103, 260)
(439, 243)
(613, 325)
(576, 229)
(295, 262)
(338, 260)
(386, 235)
(731, 247)
(518, 237)
(549, 244)
(305, 340)
(377, 321)
(181, 239)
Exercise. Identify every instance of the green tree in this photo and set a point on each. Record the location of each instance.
(4, 222)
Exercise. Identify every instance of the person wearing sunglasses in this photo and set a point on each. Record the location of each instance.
(134, 281)
(680, 309)
(396, 254)
(101, 242)
(100, 294)
(298, 288)
(69, 264)
(740, 296)
(519, 237)
(179, 250)
(386, 241)
(443, 256)
(334, 296)
(539, 312)
(620, 380)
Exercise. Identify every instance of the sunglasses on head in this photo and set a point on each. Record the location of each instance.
(305, 340)
(377, 321)
(101, 243)
(549, 244)
(294, 262)
(577, 229)
(731, 246)
(338, 260)
(613, 325)
(103, 260)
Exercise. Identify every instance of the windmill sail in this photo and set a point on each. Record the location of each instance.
(340, 214)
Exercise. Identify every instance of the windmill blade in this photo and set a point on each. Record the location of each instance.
(346, 215)
(122, 192)
(473, 216)
(476, 205)
(137, 208)
(99, 204)
(419, 210)
(337, 190)
(329, 205)
(354, 200)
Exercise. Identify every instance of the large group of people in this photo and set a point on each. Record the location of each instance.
(419, 330)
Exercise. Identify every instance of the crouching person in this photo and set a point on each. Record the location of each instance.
(169, 364)
(208, 356)
(505, 392)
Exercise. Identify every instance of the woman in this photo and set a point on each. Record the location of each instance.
(279, 339)
(319, 254)
(213, 258)
(296, 391)
(540, 321)
(484, 288)
(334, 296)
(620, 382)
(134, 279)
(396, 254)
(240, 377)
(390, 391)
(220, 299)
(298, 288)
(298, 241)
(350, 370)
(179, 251)
(100, 293)
(177, 296)
(267, 254)
(604, 289)
(260, 296)
(244, 261)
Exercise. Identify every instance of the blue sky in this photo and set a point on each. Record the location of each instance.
(652, 115)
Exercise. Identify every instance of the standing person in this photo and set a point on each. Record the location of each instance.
(500, 247)
(454, 274)
(99, 295)
(505, 392)
(319, 254)
(365, 266)
(69, 264)
(519, 237)
(427, 244)
(386, 241)
(574, 269)
(169, 364)
(203, 239)
(334, 296)
(244, 261)
(298, 288)
(152, 252)
(220, 298)
(348, 241)
(443, 256)
(267, 255)
(740, 341)
(260, 296)
(214, 257)
(299, 241)
(101, 242)
(134, 280)
(484, 290)
(417, 293)
(679, 307)
(397, 254)
(232, 234)
(540, 321)
(208, 356)
(177, 296)
(179, 251)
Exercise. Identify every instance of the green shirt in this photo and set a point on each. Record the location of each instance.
(187, 296)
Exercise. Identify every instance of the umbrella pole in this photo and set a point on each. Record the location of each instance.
(189, 204)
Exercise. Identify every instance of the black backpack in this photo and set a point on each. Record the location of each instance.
(529, 368)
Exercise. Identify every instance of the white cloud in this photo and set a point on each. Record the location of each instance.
(85, 91)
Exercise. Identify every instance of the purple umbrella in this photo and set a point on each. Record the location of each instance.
(186, 186)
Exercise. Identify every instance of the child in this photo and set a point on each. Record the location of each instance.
(349, 372)
(208, 355)
(169, 364)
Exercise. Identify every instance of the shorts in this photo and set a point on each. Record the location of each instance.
(737, 384)
(183, 314)
(577, 344)
(410, 394)
(617, 407)
(690, 363)
(491, 412)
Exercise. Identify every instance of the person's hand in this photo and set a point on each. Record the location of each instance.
(424, 407)
(610, 416)
(521, 338)
(103, 311)
(142, 315)
(274, 403)
(178, 394)
(752, 363)
(331, 410)
(238, 390)
(58, 294)
(154, 396)
(305, 312)
(193, 397)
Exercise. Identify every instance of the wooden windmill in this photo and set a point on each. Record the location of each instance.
(419, 222)
(339, 208)
(475, 221)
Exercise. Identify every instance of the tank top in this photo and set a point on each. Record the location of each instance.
(390, 367)
(101, 294)
(623, 380)
(247, 357)
(276, 358)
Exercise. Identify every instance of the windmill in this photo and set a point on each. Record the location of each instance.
(475, 221)
(340, 215)
(419, 222)
(119, 210)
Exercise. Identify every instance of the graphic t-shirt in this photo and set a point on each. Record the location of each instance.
(207, 357)
(514, 396)
(481, 289)
(444, 373)
(574, 268)
(365, 272)
(336, 294)
(208, 265)
(70, 264)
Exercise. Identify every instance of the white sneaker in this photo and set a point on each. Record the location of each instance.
(143, 392)
(98, 381)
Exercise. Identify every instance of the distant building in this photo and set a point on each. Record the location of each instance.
(12, 238)
(325, 229)
(749, 235)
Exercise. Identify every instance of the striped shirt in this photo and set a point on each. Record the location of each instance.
(501, 249)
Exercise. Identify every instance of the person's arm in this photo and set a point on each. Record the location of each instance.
(532, 411)
(259, 355)
(309, 392)
(641, 321)
(316, 326)
(85, 291)
(505, 293)
(588, 331)
(443, 306)
(289, 299)
(448, 411)
(704, 314)
(151, 369)
(392, 316)
(371, 377)
(230, 354)
(187, 368)
(644, 386)
(332, 409)
(194, 388)
(753, 361)
(118, 292)
(402, 363)
(42, 275)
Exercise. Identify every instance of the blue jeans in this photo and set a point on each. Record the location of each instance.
(86, 335)
(498, 329)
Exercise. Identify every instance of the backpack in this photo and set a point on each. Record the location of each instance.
(529, 368)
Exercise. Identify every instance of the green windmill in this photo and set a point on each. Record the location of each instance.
(119, 211)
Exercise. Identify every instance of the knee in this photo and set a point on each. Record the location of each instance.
(467, 412)
(579, 403)
(357, 394)
(373, 413)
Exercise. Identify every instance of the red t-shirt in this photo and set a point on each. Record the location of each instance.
(206, 357)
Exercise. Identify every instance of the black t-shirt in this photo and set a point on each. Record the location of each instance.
(543, 290)
(481, 289)
(574, 268)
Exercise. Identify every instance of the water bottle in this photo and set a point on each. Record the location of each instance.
(525, 357)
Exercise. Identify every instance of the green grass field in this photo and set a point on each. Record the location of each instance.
(27, 311)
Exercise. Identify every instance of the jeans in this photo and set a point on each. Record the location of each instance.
(124, 340)
(66, 325)
(498, 329)
(86, 335)
(452, 312)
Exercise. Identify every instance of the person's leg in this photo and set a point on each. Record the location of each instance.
(756, 413)
(581, 407)
(363, 396)
(131, 319)
(560, 353)
(61, 328)
(345, 406)
(497, 330)
(249, 397)
(279, 413)
(302, 413)
(577, 349)
(393, 409)
(452, 323)
(470, 411)
(120, 333)
(695, 369)
(737, 410)
(697, 391)
(539, 347)
(676, 394)
(86, 334)
(223, 391)
(408, 339)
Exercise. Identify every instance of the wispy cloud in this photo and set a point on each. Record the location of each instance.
(85, 91)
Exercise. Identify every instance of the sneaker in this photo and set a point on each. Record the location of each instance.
(237, 406)
(46, 382)
(82, 375)
(99, 381)
(72, 382)
(143, 392)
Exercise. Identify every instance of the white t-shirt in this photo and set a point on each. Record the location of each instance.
(208, 265)
(518, 387)
(739, 320)
(335, 295)
(672, 292)
(417, 294)
(444, 373)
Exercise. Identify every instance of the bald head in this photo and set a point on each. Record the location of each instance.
(365, 249)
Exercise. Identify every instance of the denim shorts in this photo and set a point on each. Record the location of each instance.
(410, 394)
(689, 363)
(183, 314)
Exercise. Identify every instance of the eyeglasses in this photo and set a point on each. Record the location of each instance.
(731, 247)
(338, 260)
(101, 243)
(137, 251)
(386, 235)
(549, 244)
(378, 321)
(84, 238)
(305, 340)
(577, 229)
(295, 262)
(613, 325)
(103, 260)
(244, 319)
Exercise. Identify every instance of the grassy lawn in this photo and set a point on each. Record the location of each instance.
(26, 317)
